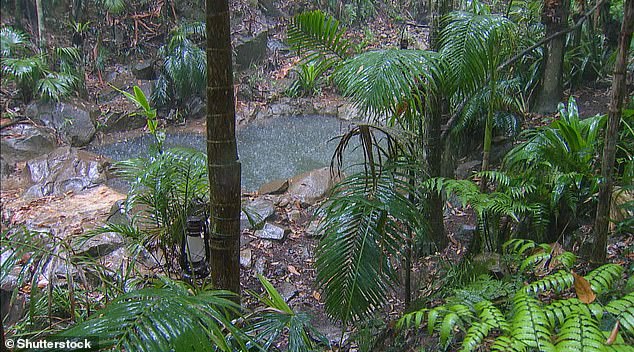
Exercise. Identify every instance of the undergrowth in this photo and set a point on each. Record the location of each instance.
(555, 309)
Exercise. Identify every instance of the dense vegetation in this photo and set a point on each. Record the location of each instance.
(486, 68)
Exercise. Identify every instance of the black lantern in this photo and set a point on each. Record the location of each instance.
(195, 246)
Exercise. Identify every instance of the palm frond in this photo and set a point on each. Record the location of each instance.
(360, 233)
(382, 81)
(11, 40)
(315, 35)
(276, 317)
(170, 318)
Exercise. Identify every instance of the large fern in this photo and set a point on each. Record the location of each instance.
(562, 325)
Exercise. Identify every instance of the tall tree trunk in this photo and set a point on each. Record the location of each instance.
(555, 19)
(433, 157)
(223, 163)
(611, 135)
(40, 26)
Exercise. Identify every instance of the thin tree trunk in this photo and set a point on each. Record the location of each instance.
(488, 130)
(555, 18)
(223, 163)
(611, 135)
(40, 25)
(433, 155)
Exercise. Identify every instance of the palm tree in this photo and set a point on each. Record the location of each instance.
(474, 46)
(223, 164)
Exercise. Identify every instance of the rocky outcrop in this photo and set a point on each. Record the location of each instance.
(74, 121)
(25, 141)
(65, 169)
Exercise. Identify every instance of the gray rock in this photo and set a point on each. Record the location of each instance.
(256, 213)
(312, 186)
(274, 187)
(312, 230)
(144, 69)
(348, 112)
(65, 169)
(117, 121)
(294, 215)
(288, 291)
(466, 169)
(100, 245)
(24, 141)
(118, 214)
(5, 168)
(74, 121)
(245, 257)
(260, 265)
(251, 49)
(271, 232)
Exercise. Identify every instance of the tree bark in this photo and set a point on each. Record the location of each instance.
(223, 163)
(433, 158)
(555, 19)
(40, 26)
(611, 135)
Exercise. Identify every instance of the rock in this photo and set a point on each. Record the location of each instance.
(65, 169)
(74, 121)
(348, 112)
(256, 213)
(100, 245)
(245, 257)
(312, 186)
(5, 169)
(270, 8)
(312, 230)
(260, 265)
(118, 214)
(288, 291)
(283, 202)
(294, 215)
(274, 187)
(12, 310)
(118, 121)
(144, 69)
(466, 169)
(271, 232)
(251, 49)
(25, 141)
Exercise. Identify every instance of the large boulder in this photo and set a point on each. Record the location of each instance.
(25, 141)
(65, 169)
(312, 186)
(74, 121)
(251, 49)
(256, 213)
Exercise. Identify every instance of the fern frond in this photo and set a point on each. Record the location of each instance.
(559, 281)
(602, 278)
(623, 309)
(580, 332)
(491, 318)
(507, 344)
(530, 324)
(558, 311)
(412, 319)
(519, 246)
